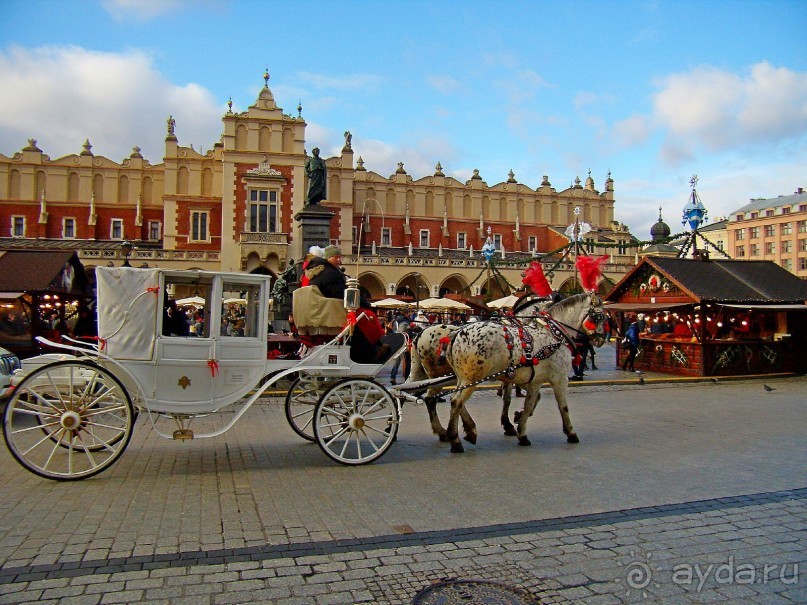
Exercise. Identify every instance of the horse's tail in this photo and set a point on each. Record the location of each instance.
(417, 371)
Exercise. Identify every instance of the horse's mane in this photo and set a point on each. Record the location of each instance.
(562, 305)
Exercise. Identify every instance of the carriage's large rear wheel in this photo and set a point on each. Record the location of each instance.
(302, 400)
(68, 420)
(356, 421)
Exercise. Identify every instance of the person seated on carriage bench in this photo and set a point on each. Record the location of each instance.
(325, 273)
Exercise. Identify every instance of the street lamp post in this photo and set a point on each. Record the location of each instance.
(488, 250)
(126, 249)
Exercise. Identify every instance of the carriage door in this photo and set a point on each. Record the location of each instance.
(241, 343)
(185, 346)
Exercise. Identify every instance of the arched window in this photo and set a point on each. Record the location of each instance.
(288, 140)
(241, 137)
(265, 139)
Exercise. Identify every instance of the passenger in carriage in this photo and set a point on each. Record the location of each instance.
(325, 273)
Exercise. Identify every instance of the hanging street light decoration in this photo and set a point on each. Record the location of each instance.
(578, 228)
(695, 212)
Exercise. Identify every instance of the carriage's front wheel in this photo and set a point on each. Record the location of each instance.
(356, 421)
(301, 401)
(68, 420)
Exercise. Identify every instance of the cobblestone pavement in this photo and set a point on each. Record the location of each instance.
(677, 493)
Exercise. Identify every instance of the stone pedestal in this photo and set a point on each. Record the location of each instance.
(314, 228)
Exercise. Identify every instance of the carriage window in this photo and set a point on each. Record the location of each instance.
(240, 310)
(185, 307)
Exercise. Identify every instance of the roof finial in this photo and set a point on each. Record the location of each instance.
(300, 108)
(659, 213)
(266, 78)
(230, 105)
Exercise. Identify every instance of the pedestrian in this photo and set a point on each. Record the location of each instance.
(631, 341)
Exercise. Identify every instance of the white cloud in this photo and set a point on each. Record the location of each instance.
(62, 96)
(143, 9)
(443, 84)
(720, 110)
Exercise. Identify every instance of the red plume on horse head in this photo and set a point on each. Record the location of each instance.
(534, 278)
(590, 272)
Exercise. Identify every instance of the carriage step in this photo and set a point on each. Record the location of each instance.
(183, 434)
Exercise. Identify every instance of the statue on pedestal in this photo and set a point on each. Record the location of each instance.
(317, 176)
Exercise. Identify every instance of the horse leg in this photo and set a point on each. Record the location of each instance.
(468, 425)
(530, 400)
(507, 394)
(434, 419)
(517, 414)
(457, 405)
(560, 387)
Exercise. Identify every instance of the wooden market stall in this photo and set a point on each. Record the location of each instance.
(42, 293)
(703, 317)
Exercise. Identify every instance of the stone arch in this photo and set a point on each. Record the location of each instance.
(287, 144)
(241, 137)
(334, 187)
(504, 213)
(272, 263)
(41, 181)
(98, 187)
(207, 182)
(147, 189)
(605, 286)
(493, 288)
(14, 184)
(429, 211)
(415, 285)
(488, 211)
(570, 286)
(265, 138)
(123, 189)
(467, 206)
(253, 261)
(183, 177)
(72, 187)
(455, 284)
(372, 285)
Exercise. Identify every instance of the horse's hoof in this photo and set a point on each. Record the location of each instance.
(517, 416)
(524, 441)
(456, 448)
(443, 438)
(471, 438)
(510, 431)
(573, 438)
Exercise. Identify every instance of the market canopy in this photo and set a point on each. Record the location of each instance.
(392, 303)
(505, 302)
(443, 304)
(193, 300)
(235, 301)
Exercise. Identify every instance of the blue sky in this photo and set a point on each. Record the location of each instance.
(654, 91)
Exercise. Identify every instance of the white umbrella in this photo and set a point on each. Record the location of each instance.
(238, 301)
(392, 303)
(443, 304)
(506, 302)
(193, 300)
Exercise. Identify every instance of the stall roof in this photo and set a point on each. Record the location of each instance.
(731, 281)
(643, 306)
(32, 270)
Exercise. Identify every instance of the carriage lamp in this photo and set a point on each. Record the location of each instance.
(126, 249)
(352, 294)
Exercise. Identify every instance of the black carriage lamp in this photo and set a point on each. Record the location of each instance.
(126, 249)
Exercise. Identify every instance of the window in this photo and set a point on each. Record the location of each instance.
(199, 222)
(68, 228)
(770, 230)
(497, 241)
(424, 238)
(240, 310)
(754, 215)
(769, 212)
(803, 264)
(753, 232)
(787, 246)
(770, 248)
(461, 241)
(802, 226)
(803, 245)
(386, 236)
(739, 251)
(354, 234)
(720, 244)
(754, 250)
(740, 217)
(785, 210)
(17, 226)
(155, 230)
(116, 229)
(787, 228)
(263, 211)
(803, 208)
(739, 234)
(787, 263)
(533, 243)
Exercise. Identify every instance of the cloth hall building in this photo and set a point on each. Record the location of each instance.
(233, 208)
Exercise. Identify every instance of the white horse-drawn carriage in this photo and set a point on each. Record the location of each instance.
(71, 416)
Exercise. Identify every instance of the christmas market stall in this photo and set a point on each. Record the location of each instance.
(702, 317)
(43, 293)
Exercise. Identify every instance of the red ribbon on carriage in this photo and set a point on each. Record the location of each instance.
(214, 367)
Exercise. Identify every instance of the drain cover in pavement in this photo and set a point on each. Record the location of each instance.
(472, 592)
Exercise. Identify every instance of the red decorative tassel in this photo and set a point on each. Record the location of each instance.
(590, 272)
(589, 325)
(534, 278)
(351, 318)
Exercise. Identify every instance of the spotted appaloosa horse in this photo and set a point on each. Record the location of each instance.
(526, 353)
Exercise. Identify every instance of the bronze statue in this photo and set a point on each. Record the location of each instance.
(317, 176)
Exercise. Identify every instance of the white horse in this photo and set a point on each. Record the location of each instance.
(527, 353)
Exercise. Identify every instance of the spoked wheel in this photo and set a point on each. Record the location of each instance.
(356, 421)
(302, 400)
(68, 420)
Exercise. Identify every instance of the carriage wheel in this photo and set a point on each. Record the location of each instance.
(68, 420)
(356, 421)
(301, 401)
